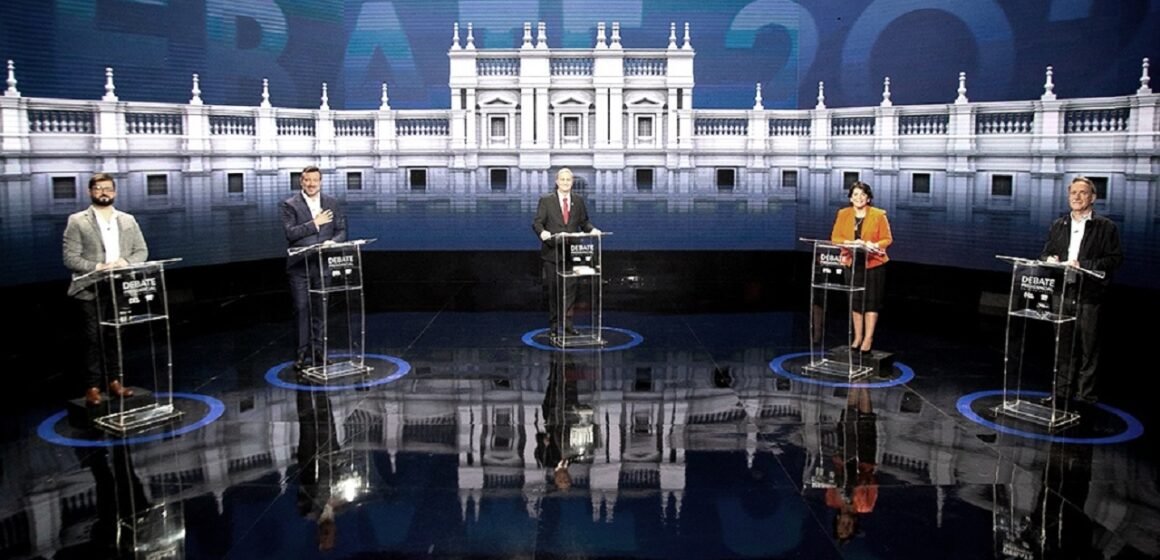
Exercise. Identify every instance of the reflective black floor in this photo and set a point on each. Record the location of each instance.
(686, 445)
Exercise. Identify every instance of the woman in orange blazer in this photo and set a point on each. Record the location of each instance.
(865, 225)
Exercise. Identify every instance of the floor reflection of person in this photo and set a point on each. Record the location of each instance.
(317, 448)
(120, 500)
(568, 434)
(1059, 527)
(855, 463)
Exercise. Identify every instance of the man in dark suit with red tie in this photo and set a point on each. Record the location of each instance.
(309, 218)
(559, 212)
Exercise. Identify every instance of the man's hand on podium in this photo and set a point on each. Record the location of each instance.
(595, 231)
(544, 235)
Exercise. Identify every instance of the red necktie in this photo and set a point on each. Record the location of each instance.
(567, 210)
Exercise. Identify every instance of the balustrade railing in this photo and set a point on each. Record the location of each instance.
(918, 125)
(646, 66)
(50, 121)
(1004, 123)
(720, 127)
(789, 127)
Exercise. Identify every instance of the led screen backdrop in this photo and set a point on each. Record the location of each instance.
(942, 212)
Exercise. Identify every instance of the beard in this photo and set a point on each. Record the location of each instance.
(102, 200)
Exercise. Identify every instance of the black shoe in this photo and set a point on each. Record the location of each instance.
(1052, 402)
(571, 331)
(300, 365)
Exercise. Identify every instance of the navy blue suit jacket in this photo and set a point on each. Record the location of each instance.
(300, 229)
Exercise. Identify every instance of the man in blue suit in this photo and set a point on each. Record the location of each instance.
(309, 218)
(560, 211)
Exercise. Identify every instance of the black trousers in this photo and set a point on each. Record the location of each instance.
(1077, 376)
(553, 283)
(307, 315)
(96, 355)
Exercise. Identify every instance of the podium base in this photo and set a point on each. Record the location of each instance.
(1052, 419)
(879, 362)
(830, 367)
(123, 423)
(337, 370)
(578, 341)
(82, 416)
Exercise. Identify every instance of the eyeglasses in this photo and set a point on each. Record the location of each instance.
(102, 188)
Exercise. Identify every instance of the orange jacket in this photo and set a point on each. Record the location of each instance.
(874, 228)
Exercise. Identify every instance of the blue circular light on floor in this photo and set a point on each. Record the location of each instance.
(401, 365)
(1133, 428)
(634, 339)
(214, 410)
(905, 374)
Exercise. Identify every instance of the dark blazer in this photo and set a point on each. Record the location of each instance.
(84, 249)
(1099, 250)
(300, 229)
(550, 218)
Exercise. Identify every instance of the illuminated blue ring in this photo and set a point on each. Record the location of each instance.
(1134, 430)
(273, 379)
(635, 339)
(777, 365)
(48, 433)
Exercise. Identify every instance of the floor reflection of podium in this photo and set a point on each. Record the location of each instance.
(133, 313)
(334, 272)
(1043, 304)
(832, 277)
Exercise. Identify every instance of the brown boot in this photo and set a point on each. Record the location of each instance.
(93, 396)
(117, 390)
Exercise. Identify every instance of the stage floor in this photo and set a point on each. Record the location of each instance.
(693, 435)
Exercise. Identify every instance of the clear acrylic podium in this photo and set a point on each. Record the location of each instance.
(1044, 302)
(334, 272)
(832, 278)
(578, 268)
(133, 314)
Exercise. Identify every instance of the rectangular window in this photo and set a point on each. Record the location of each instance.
(726, 179)
(1101, 184)
(849, 178)
(499, 178)
(235, 183)
(64, 188)
(680, 99)
(571, 127)
(1002, 185)
(920, 183)
(644, 179)
(789, 179)
(644, 127)
(417, 179)
(157, 185)
(295, 180)
(498, 127)
(354, 180)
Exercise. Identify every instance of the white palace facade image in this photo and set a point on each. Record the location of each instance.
(624, 120)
